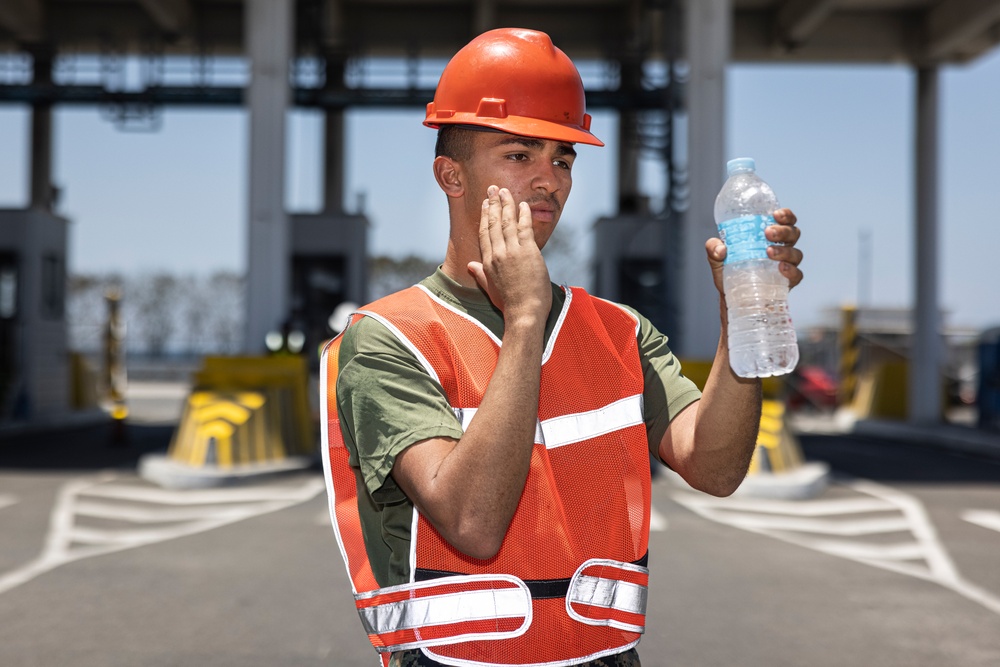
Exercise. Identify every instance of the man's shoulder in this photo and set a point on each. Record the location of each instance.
(606, 308)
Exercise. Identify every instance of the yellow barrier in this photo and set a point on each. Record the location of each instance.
(245, 410)
(778, 450)
(883, 392)
(850, 354)
(698, 371)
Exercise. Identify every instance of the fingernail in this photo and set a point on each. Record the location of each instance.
(492, 190)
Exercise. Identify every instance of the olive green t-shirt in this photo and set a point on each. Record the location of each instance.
(387, 401)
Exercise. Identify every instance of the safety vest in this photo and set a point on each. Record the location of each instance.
(569, 583)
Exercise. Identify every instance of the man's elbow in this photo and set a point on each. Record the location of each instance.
(719, 488)
(715, 482)
(478, 543)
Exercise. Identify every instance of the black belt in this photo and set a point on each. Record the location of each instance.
(539, 588)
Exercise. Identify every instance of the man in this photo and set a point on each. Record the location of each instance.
(486, 432)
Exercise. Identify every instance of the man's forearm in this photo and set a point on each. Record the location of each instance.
(725, 426)
(469, 488)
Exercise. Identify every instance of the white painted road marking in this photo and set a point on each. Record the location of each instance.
(917, 553)
(6, 500)
(983, 518)
(657, 522)
(70, 539)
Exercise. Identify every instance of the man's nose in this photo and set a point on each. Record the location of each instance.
(546, 178)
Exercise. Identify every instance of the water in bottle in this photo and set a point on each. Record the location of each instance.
(762, 340)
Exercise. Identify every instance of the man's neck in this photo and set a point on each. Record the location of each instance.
(456, 266)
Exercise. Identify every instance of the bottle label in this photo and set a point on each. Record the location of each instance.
(744, 237)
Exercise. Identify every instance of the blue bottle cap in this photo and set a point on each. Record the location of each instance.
(740, 164)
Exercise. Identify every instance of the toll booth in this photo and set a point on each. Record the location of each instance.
(632, 267)
(329, 267)
(988, 395)
(34, 357)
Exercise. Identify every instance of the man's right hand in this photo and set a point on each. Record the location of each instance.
(512, 271)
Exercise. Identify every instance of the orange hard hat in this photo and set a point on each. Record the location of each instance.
(514, 80)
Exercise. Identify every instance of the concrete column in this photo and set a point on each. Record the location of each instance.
(41, 195)
(268, 38)
(333, 145)
(629, 197)
(708, 36)
(924, 404)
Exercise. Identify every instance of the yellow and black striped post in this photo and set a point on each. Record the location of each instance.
(850, 354)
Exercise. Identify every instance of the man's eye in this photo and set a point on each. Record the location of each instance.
(517, 157)
(562, 163)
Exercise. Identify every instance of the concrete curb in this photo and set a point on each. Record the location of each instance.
(162, 470)
(806, 481)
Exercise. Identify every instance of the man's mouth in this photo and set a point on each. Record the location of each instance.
(545, 210)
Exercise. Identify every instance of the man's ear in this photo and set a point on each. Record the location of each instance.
(448, 175)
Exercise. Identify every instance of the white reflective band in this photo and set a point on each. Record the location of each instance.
(609, 593)
(568, 429)
(457, 607)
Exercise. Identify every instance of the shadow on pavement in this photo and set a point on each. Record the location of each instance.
(90, 447)
(893, 461)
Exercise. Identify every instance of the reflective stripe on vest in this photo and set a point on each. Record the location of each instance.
(607, 592)
(568, 429)
(445, 611)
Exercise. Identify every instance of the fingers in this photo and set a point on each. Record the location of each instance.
(508, 217)
(494, 217)
(525, 229)
(716, 250)
(786, 232)
(784, 253)
(793, 273)
(783, 230)
(476, 269)
(502, 221)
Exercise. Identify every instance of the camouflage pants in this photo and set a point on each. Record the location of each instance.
(417, 659)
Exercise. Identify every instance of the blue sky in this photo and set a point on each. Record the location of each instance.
(835, 142)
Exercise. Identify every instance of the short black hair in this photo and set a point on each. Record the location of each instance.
(454, 141)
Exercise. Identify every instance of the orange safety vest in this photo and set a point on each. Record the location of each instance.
(569, 583)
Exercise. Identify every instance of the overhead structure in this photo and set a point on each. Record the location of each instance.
(334, 46)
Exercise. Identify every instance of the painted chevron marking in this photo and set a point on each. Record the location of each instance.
(657, 522)
(143, 510)
(983, 518)
(805, 523)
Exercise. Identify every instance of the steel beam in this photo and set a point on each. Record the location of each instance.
(170, 15)
(950, 25)
(797, 20)
(22, 19)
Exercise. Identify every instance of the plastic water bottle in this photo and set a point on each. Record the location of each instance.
(762, 340)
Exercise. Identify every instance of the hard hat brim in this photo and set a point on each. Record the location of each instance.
(521, 126)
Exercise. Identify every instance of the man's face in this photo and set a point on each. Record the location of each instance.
(536, 171)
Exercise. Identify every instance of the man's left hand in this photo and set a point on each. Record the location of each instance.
(784, 231)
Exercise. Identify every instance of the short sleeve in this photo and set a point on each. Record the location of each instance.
(386, 402)
(665, 389)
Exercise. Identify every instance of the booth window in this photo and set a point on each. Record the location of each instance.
(53, 286)
(8, 287)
